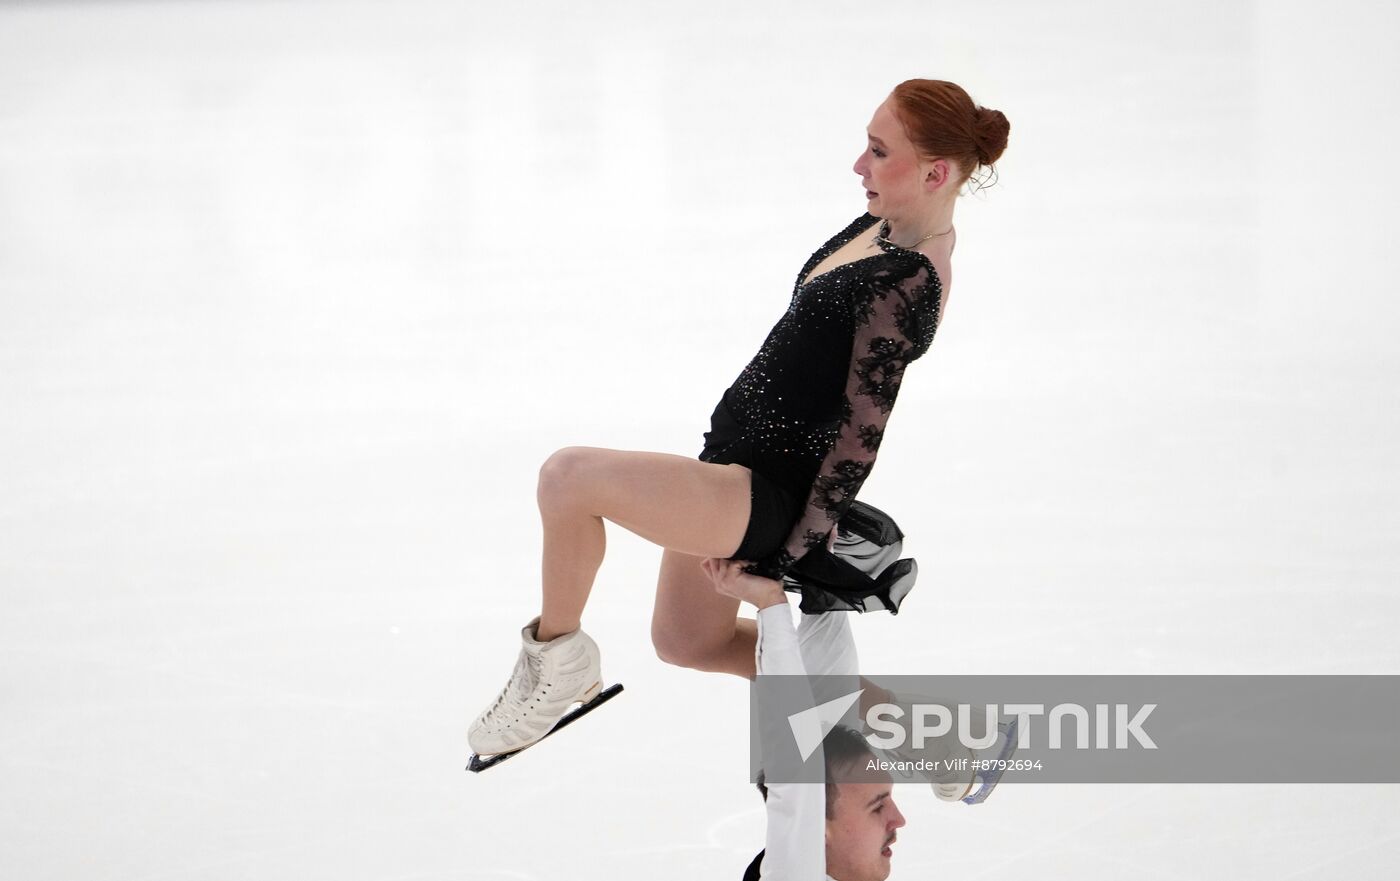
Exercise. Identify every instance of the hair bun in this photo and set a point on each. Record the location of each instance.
(989, 134)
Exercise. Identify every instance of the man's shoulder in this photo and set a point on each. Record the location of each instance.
(752, 874)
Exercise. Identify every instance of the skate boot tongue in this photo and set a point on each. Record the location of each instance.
(526, 676)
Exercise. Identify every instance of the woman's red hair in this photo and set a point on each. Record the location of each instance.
(942, 121)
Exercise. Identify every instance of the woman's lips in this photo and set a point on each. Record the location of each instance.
(870, 194)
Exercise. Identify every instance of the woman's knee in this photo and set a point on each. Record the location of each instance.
(682, 650)
(559, 474)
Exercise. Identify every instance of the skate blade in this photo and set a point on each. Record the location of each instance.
(479, 764)
(991, 777)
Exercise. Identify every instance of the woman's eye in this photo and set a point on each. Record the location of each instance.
(878, 153)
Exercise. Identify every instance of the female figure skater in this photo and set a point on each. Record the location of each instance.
(791, 440)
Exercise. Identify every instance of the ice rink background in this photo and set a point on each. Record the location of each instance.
(296, 297)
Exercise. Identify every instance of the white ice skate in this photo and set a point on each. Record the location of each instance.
(953, 771)
(943, 762)
(993, 762)
(549, 677)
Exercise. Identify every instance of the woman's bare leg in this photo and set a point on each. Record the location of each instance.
(696, 508)
(695, 626)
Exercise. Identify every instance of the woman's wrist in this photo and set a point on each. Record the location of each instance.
(772, 594)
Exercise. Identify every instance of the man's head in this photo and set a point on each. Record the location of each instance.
(861, 816)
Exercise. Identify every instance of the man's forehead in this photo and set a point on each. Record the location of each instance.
(855, 799)
(868, 790)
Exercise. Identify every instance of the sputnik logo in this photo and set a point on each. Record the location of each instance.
(810, 726)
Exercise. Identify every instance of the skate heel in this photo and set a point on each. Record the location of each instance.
(591, 692)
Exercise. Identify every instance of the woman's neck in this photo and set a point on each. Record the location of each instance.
(907, 231)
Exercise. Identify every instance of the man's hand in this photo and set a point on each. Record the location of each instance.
(730, 579)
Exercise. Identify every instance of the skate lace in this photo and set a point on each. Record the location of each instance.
(517, 691)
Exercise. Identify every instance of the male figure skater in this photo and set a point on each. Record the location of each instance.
(841, 831)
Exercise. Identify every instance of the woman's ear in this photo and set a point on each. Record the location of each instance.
(936, 174)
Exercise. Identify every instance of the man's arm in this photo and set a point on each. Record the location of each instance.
(795, 843)
(796, 834)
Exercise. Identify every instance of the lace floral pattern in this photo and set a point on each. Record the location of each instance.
(893, 309)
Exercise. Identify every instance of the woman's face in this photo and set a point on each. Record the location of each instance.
(890, 168)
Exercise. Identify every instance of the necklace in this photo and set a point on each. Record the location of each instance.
(884, 228)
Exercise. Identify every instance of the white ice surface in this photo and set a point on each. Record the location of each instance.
(296, 297)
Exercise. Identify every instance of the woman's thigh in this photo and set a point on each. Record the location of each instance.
(700, 509)
(690, 618)
(692, 509)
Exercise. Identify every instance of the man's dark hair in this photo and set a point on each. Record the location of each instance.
(840, 747)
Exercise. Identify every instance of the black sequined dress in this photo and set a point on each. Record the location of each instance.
(809, 411)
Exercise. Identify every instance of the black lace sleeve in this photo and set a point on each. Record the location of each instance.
(889, 317)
